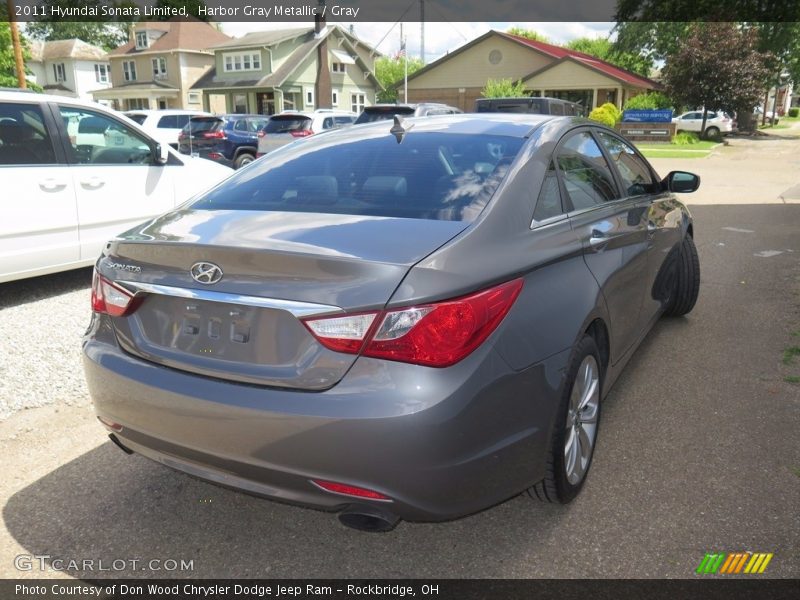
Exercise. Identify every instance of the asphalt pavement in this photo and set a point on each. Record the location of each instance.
(697, 453)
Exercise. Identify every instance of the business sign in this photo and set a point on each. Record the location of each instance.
(647, 116)
(642, 132)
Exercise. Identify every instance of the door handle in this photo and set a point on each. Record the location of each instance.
(93, 183)
(598, 239)
(52, 185)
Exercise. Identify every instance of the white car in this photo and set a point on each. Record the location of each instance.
(164, 125)
(289, 126)
(76, 174)
(717, 122)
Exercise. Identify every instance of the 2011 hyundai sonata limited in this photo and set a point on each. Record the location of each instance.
(412, 320)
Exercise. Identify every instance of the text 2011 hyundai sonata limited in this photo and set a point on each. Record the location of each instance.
(413, 320)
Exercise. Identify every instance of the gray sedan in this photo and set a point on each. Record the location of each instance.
(413, 320)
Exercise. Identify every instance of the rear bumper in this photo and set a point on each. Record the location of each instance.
(441, 443)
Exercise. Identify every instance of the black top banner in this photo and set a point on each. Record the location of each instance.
(354, 11)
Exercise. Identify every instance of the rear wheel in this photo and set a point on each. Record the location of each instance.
(243, 159)
(712, 132)
(575, 430)
(687, 280)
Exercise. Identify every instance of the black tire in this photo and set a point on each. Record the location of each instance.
(712, 132)
(243, 159)
(687, 280)
(556, 487)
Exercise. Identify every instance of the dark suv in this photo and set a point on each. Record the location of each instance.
(383, 112)
(539, 106)
(228, 139)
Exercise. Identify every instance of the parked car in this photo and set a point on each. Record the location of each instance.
(164, 125)
(78, 174)
(413, 320)
(383, 112)
(530, 105)
(289, 126)
(717, 122)
(231, 140)
(758, 115)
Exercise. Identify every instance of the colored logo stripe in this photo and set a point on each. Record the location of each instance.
(734, 563)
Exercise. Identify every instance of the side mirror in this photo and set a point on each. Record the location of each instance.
(161, 154)
(681, 182)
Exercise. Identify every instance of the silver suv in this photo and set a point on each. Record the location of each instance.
(287, 127)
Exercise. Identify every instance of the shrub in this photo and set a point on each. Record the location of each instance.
(794, 112)
(504, 88)
(685, 138)
(649, 101)
(607, 114)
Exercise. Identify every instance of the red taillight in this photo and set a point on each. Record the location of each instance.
(214, 135)
(110, 299)
(215, 156)
(434, 335)
(349, 490)
(298, 133)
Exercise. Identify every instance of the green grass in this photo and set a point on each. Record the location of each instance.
(792, 379)
(790, 353)
(778, 126)
(698, 150)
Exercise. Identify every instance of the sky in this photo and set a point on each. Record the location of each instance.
(440, 38)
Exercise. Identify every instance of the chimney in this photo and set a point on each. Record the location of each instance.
(319, 18)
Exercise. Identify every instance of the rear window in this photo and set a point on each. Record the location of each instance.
(285, 124)
(440, 176)
(199, 125)
(382, 113)
(137, 118)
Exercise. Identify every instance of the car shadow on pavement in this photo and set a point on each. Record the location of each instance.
(110, 506)
(23, 291)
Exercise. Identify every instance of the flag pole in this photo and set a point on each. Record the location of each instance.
(20, 66)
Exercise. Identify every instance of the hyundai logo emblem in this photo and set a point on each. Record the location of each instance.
(206, 273)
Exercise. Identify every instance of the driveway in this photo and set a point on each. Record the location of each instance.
(697, 453)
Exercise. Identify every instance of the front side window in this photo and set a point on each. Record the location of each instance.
(159, 67)
(636, 177)
(59, 72)
(587, 177)
(129, 70)
(436, 176)
(97, 139)
(24, 139)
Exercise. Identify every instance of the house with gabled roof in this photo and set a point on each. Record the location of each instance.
(71, 68)
(291, 69)
(157, 68)
(545, 70)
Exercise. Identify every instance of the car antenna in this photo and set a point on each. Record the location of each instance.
(399, 129)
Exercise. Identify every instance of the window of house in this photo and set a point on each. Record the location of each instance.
(141, 40)
(137, 103)
(101, 73)
(240, 103)
(309, 98)
(337, 67)
(335, 97)
(129, 70)
(59, 72)
(247, 61)
(159, 67)
(194, 98)
(357, 102)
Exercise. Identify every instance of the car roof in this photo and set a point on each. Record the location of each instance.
(30, 96)
(166, 111)
(501, 124)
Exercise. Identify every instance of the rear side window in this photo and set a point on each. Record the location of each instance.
(346, 120)
(168, 122)
(24, 139)
(436, 176)
(549, 203)
(586, 174)
(636, 177)
(283, 124)
(137, 118)
(383, 113)
(202, 125)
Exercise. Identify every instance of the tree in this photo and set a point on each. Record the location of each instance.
(107, 35)
(649, 101)
(718, 67)
(8, 70)
(390, 72)
(503, 88)
(528, 33)
(604, 49)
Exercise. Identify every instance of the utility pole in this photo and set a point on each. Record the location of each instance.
(422, 30)
(20, 66)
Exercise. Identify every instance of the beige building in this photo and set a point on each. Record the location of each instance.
(546, 70)
(69, 68)
(159, 66)
(291, 69)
